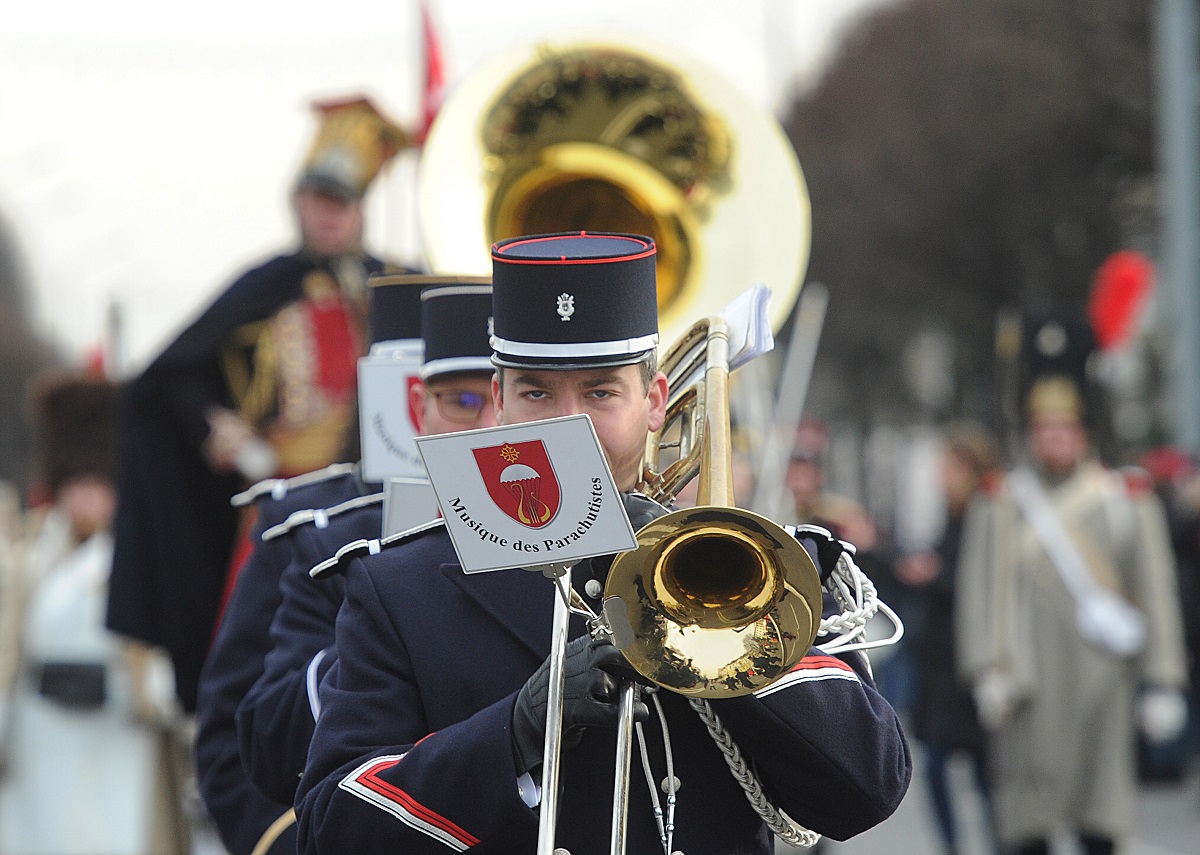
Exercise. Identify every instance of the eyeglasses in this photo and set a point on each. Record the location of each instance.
(460, 406)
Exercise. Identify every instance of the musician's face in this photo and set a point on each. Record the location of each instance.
(621, 407)
(453, 402)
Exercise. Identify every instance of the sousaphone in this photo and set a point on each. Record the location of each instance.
(611, 137)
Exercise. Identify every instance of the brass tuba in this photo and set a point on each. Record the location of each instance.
(610, 137)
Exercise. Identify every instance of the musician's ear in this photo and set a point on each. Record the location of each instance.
(416, 405)
(656, 393)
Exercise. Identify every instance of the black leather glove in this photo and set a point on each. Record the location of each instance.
(822, 547)
(591, 698)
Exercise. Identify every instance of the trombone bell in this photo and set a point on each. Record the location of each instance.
(721, 601)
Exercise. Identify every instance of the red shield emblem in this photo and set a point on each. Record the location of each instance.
(520, 480)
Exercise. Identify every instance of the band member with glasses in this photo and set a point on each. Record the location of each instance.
(241, 812)
(432, 719)
(276, 718)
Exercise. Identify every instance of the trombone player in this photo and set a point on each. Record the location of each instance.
(433, 719)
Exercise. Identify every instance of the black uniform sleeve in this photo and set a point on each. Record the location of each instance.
(827, 746)
(186, 379)
(239, 810)
(373, 760)
(276, 718)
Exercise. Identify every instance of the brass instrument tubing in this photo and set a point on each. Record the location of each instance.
(624, 761)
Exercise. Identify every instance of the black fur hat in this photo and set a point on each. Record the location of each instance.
(74, 422)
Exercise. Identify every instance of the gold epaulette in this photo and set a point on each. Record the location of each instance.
(361, 548)
(277, 488)
(320, 516)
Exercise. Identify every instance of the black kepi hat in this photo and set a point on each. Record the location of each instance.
(395, 305)
(456, 320)
(573, 300)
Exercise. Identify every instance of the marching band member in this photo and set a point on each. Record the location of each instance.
(241, 813)
(432, 719)
(276, 718)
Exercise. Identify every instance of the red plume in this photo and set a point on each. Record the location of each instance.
(1119, 290)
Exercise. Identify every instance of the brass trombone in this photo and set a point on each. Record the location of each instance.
(715, 602)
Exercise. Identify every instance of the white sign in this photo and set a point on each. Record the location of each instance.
(386, 425)
(527, 494)
(407, 503)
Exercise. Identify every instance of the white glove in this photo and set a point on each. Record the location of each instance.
(1162, 714)
(233, 446)
(256, 460)
(995, 698)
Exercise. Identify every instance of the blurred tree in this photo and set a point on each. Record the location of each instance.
(965, 156)
(22, 354)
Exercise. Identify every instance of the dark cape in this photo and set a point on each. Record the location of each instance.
(175, 529)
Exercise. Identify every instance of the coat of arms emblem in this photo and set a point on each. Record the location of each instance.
(520, 480)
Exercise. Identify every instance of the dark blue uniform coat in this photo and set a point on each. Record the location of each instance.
(276, 718)
(412, 752)
(240, 811)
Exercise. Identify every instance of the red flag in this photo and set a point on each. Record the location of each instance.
(435, 74)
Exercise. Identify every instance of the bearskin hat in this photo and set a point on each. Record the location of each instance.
(74, 422)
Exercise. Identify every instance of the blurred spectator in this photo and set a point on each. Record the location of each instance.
(1177, 483)
(261, 384)
(944, 717)
(805, 480)
(82, 763)
(1062, 666)
(850, 521)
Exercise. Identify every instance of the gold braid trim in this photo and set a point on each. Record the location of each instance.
(251, 381)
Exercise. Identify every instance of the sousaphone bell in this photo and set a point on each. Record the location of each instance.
(612, 137)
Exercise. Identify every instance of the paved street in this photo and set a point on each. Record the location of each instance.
(1168, 823)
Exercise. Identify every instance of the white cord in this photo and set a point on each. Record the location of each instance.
(856, 594)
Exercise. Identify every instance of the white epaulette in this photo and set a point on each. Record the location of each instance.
(359, 548)
(277, 488)
(320, 516)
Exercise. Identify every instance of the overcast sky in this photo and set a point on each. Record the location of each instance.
(146, 149)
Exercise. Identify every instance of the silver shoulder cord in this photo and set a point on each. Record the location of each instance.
(856, 595)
